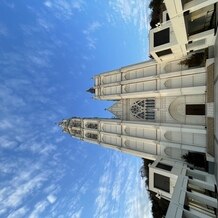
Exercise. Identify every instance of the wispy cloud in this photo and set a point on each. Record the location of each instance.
(63, 8)
(38, 209)
(92, 27)
(17, 190)
(89, 34)
(132, 12)
(48, 26)
(118, 190)
(77, 214)
(7, 143)
(19, 213)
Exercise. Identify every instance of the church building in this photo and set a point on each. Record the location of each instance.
(164, 108)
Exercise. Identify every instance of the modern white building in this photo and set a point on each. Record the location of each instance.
(191, 192)
(164, 107)
(186, 26)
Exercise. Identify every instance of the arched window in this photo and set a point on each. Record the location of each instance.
(144, 109)
(92, 125)
(76, 124)
(75, 132)
(92, 136)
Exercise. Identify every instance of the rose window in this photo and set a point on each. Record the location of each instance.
(144, 109)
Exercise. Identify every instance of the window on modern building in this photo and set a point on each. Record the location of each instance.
(162, 182)
(144, 109)
(92, 125)
(164, 166)
(92, 136)
(195, 109)
(162, 37)
(164, 52)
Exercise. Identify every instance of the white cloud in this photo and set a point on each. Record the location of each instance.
(105, 195)
(48, 4)
(63, 8)
(114, 185)
(9, 100)
(2, 211)
(45, 24)
(19, 213)
(89, 32)
(135, 12)
(40, 61)
(5, 142)
(38, 209)
(51, 198)
(131, 11)
(5, 124)
(77, 214)
(13, 195)
(92, 27)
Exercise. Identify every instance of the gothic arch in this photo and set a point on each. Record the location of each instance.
(90, 135)
(127, 130)
(177, 109)
(167, 83)
(173, 152)
(90, 125)
(168, 135)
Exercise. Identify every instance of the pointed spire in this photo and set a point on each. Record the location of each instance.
(64, 125)
(91, 90)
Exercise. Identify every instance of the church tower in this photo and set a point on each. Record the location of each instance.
(159, 110)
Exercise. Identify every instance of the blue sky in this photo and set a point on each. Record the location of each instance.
(49, 51)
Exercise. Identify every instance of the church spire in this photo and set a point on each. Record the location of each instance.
(64, 125)
(91, 90)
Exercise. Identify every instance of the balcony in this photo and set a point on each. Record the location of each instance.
(200, 20)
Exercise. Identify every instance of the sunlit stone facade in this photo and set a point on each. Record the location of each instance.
(164, 108)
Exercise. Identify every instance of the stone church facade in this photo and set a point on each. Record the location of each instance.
(164, 108)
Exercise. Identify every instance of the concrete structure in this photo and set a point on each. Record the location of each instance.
(165, 108)
(192, 192)
(188, 25)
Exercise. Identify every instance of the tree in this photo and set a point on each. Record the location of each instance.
(155, 6)
(195, 158)
(159, 206)
(194, 60)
